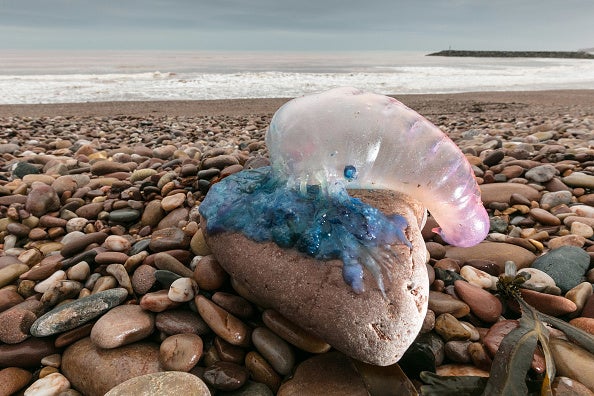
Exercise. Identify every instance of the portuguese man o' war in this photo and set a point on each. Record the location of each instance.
(320, 145)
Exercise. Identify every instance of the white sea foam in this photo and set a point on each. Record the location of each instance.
(63, 78)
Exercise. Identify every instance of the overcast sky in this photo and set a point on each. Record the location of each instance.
(297, 24)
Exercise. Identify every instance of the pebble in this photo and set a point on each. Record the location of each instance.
(274, 349)
(180, 352)
(178, 321)
(83, 361)
(157, 301)
(478, 278)
(143, 279)
(483, 304)
(122, 325)
(496, 252)
(502, 192)
(567, 265)
(572, 361)
(586, 324)
(292, 333)
(226, 376)
(11, 272)
(539, 280)
(168, 383)
(164, 261)
(564, 386)
(75, 313)
(209, 274)
(52, 384)
(548, 303)
(441, 303)
(41, 199)
(26, 354)
(579, 295)
(182, 290)
(174, 201)
(544, 217)
(542, 173)
(12, 379)
(449, 328)
(579, 179)
(260, 370)
(225, 325)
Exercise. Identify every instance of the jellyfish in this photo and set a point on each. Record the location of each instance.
(325, 144)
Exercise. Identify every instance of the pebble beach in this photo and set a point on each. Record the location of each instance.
(106, 275)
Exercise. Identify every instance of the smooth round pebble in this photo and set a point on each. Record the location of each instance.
(180, 352)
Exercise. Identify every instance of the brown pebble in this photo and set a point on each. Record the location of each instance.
(483, 304)
(234, 304)
(548, 303)
(228, 352)
(122, 325)
(209, 274)
(274, 349)
(12, 379)
(261, 371)
(180, 352)
(225, 325)
(448, 264)
(442, 303)
(157, 301)
(176, 321)
(292, 333)
(9, 298)
(71, 336)
(164, 261)
(143, 278)
(586, 324)
(226, 376)
(15, 324)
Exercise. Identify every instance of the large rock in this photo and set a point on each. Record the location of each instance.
(93, 370)
(368, 326)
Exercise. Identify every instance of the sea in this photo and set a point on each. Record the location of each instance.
(29, 77)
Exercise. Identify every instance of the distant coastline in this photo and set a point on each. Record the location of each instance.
(515, 54)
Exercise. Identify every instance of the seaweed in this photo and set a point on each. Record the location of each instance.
(509, 372)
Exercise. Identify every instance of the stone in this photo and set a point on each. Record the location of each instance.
(169, 383)
(564, 386)
(330, 374)
(274, 349)
(105, 167)
(143, 278)
(492, 341)
(566, 240)
(164, 261)
(544, 217)
(551, 199)
(225, 325)
(78, 242)
(209, 274)
(572, 361)
(581, 229)
(26, 354)
(567, 266)
(234, 304)
(460, 370)
(12, 379)
(502, 192)
(83, 360)
(52, 384)
(496, 252)
(542, 173)
(42, 199)
(15, 324)
(124, 216)
(441, 303)
(198, 244)
(292, 333)
(449, 328)
(178, 321)
(385, 325)
(180, 352)
(122, 325)
(174, 201)
(157, 301)
(226, 376)
(11, 272)
(586, 324)
(579, 295)
(75, 313)
(539, 280)
(457, 351)
(579, 179)
(182, 290)
(483, 304)
(548, 303)
(479, 278)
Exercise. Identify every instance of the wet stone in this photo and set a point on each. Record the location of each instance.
(13, 379)
(226, 376)
(124, 216)
(225, 325)
(274, 349)
(176, 321)
(52, 384)
(73, 314)
(180, 352)
(449, 328)
(293, 334)
(122, 325)
(157, 301)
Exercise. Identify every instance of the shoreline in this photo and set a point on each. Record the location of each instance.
(515, 54)
(427, 104)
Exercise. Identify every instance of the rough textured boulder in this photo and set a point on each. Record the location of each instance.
(369, 326)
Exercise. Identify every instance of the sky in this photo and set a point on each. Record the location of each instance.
(297, 25)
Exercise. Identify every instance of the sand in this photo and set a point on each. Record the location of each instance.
(506, 103)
